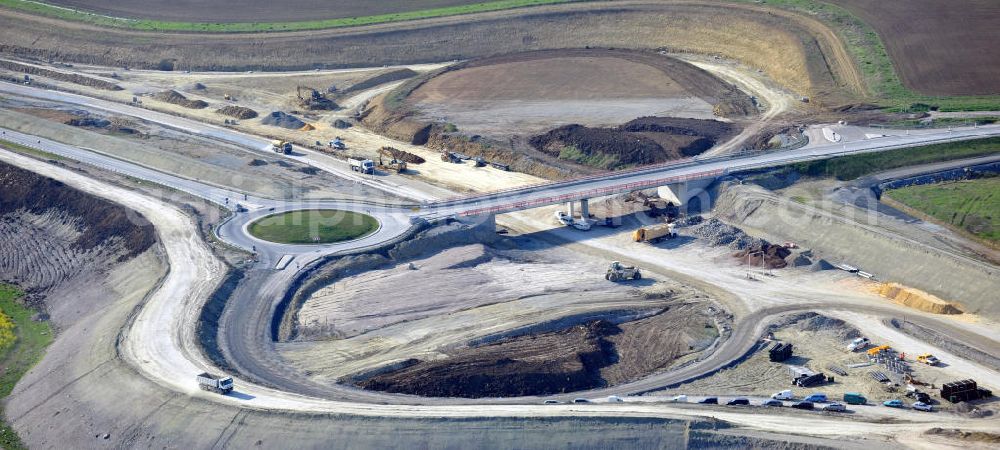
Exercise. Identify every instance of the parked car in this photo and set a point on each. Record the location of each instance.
(894, 403)
(738, 401)
(853, 398)
(772, 402)
(680, 399)
(802, 405)
(552, 402)
(783, 395)
(816, 398)
(564, 218)
(580, 400)
(582, 224)
(922, 397)
(835, 407)
(921, 406)
(614, 399)
(710, 401)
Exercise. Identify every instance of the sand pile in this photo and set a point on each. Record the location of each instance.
(917, 299)
(280, 119)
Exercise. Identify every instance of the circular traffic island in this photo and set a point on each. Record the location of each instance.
(313, 226)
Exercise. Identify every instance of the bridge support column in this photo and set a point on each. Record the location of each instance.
(571, 207)
(585, 209)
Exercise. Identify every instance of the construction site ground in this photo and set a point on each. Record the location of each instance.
(365, 322)
(531, 93)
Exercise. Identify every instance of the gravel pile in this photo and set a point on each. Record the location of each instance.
(280, 119)
(718, 233)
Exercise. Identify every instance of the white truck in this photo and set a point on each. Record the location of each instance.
(365, 166)
(215, 383)
(783, 395)
(858, 344)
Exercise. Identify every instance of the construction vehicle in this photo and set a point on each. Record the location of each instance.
(316, 100)
(618, 272)
(365, 166)
(451, 157)
(338, 144)
(876, 350)
(858, 344)
(279, 146)
(564, 218)
(215, 383)
(655, 233)
(394, 164)
(928, 359)
(478, 162)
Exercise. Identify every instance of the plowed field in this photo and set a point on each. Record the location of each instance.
(938, 48)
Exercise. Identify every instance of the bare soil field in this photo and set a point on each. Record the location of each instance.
(252, 11)
(939, 48)
(532, 92)
(490, 107)
(498, 300)
(797, 51)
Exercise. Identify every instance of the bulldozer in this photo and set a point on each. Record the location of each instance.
(618, 272)
(315, 100)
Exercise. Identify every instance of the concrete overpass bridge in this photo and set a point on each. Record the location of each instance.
(685, 178)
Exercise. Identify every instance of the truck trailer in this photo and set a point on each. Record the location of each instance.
(655, 233)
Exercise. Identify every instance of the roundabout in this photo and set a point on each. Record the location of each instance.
(313, 226)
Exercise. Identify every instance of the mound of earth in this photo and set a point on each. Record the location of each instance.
(179, 99)
(280, 119)
(57, 243)
(239, 112)
(591, 355)
(341, 124)
(62, 76)
(401, 155)
(647, 140)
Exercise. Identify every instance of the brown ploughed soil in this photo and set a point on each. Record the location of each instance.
(937, 47)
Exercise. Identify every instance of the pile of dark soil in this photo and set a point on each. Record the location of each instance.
(280, 119)
(196, 87)
(257, 162)
(102, 221)
(239, 112)
(542, 364)
(396, 153)
(646, 140)
(177, 98)
(772, 256)
(341, 124)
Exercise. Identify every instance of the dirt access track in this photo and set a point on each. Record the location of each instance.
(938, 48)
(222, 11)
(532, 92)
(797, 51)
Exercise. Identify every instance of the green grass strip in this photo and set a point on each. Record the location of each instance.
(851, 167)
(971, 205)
(244, 27)
(31, 339)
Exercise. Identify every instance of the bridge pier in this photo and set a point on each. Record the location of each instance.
(688, 195)
(584, 208)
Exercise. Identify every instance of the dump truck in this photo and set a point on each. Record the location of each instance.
(928, 359)
(655, 233)
(279, 146)
(215, 383)
(617, 272)
(365, 166)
